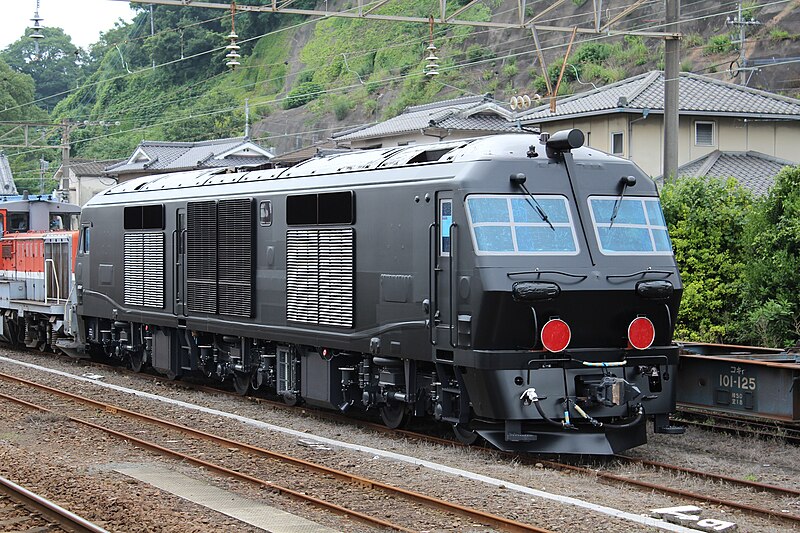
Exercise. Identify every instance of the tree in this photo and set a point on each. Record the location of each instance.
(706, 219)
(55, 68)
(772, 281)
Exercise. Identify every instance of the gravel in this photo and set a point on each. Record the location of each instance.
(76, 467)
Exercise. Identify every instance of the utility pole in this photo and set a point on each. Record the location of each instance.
(671, 89)
(65, 129)
(247, 118)
(742, 24)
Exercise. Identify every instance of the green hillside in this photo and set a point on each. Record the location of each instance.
(305, 78)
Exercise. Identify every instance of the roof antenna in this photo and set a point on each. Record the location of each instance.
(37, 28)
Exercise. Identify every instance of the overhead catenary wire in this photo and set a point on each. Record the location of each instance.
(385, 81)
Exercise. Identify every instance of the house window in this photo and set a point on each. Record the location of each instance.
(704, 134)
(616, 143)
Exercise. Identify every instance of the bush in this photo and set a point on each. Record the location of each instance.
(303, 94)
(477, 52)
(772, 280)
(510, 70)
(778, 34)
(719, 44)
(706, 220)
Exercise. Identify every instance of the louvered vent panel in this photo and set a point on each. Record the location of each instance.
(302, 269)
(319, 276)
(336, 277)
(235, 257)
(144, 269)
(201, 256)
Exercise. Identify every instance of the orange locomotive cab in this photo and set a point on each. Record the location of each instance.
(37, 254)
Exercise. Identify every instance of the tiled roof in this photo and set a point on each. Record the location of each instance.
(699, 95)
(86, 167)
(753, 170)
(471, 113)
(172, 156)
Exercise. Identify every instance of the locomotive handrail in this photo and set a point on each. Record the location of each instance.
(431, 282)
(55, 277)
(453, 273)
(666, 273)
(540, 272)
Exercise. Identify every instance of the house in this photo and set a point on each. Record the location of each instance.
(84, 179)
(753, 170)
(160, 157)
(626, 118)
(459, 118)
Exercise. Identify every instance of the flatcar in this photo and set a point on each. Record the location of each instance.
(521, 288)
(37, 253)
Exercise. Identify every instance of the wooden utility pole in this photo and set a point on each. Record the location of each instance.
(671, 89)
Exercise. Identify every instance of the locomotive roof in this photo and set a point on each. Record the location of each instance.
(22, 202)
(496, 147)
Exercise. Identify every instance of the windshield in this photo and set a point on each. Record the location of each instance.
(638, 228)
(509, 224)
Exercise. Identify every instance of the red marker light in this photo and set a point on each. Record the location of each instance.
(556, 335)
(641, 333)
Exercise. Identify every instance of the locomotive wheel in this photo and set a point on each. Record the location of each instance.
(290, 399)
(241, 383)
(464, 435)
(137, 360)
(395, 415)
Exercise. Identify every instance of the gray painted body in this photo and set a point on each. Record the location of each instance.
(421, 320)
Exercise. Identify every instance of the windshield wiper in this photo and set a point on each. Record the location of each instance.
(627, 181)
(519, 179)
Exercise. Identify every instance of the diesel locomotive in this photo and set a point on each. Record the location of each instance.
(521, 288)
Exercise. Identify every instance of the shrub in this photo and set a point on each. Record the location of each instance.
(477, 52)
(510, 70)
(706, 220)
(302, 94)
(592, 53)
(778, 34)
(719, 44)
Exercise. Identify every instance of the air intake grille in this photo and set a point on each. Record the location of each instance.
(319, 276)
(201, 256)
(144, 269)
(236, 257)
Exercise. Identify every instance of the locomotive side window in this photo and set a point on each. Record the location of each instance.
(17, 222)
(629, 225)
(511, 225)
(85, 234)
(445, 221)
(144, 217)
(324, 208)
(265, 212)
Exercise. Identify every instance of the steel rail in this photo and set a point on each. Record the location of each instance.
(716, 477)
(66, 520)
(474, 514)
(217, 468)
(552, 464)
(556, 465)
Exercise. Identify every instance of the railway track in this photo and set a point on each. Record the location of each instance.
(723, 484)
(23, 510)
(738, 425)
(252, 462)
